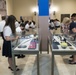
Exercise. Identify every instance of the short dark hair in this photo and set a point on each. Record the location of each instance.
(56, 20)
(3, 17)
(33, 22)
(22, 24)
(73, 15)
(51, 20)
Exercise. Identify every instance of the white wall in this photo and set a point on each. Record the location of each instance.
(9, 7)
(64, 7)
(23, 7)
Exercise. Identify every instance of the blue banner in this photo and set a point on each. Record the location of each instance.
(43, 7)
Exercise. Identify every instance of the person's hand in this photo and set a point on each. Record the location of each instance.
(17, 37)
(74, 30)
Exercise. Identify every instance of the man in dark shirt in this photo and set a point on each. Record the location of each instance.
(72, 26)
(72, 29)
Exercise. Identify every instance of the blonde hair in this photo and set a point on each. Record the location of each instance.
(66, 20)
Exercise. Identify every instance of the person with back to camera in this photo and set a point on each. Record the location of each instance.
(9, 34)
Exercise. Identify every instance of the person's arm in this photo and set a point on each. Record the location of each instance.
(8, 38)
(7, 34)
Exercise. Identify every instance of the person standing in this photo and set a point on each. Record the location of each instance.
(2, 24)
(72, 30)
(9, 34)
(72, 24)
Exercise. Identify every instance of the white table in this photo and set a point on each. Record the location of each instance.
(17, 50)
(60, 50)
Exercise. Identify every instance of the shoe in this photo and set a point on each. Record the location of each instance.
(72, 63)
(71, 56)
(18, 56)
(22, 56)
(10, 67)
(17, 69)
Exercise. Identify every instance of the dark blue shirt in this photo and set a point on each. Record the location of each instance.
(72, 25)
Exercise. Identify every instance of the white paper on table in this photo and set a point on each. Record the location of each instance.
(57, 38)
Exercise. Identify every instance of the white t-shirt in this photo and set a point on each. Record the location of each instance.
(58, 23)
(18, 30)
(52, 24)
(27, 26)
(32, 25)
(17, 24)
(49, 21)
(2, 24)
(7, 31)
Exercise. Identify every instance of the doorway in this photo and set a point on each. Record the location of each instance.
(64, 15)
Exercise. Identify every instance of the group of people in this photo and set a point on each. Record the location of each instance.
(28, 23)
(9, 27)
(72, 30)
(68, 27)
(54, 24)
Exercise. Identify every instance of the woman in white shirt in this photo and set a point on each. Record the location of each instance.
(8, 31)
(17, 24)
(32, 24)
(27, 26)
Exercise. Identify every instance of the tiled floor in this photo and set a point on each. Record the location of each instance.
(27, 65)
